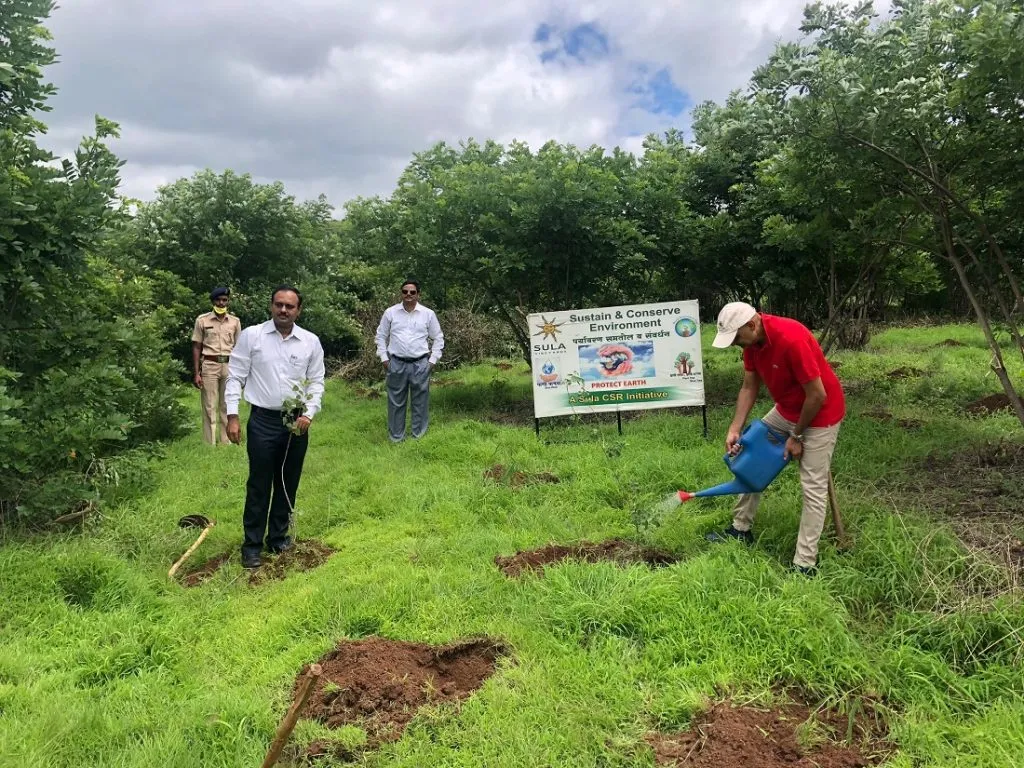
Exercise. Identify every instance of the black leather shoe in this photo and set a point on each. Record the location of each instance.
(251, 560)
(731, 533)
(289, 544)
(810, 571)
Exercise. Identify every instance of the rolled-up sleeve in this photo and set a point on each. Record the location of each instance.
(436, 336)
(315, 373)
(238, 373)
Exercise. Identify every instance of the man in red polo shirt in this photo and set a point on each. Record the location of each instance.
(809, 407)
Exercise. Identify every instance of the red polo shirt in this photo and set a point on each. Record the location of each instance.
(789, 358)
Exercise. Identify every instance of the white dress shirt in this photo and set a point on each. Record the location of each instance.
(268, 366)
(405, 334)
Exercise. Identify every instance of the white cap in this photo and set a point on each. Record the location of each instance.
(732, 317)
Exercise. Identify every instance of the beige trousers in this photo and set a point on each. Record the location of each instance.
(215, 379)
(819, 443)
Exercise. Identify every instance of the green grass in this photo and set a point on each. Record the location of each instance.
(105, 663)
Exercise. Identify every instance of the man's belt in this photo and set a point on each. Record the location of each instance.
(266, 411)
(217, 358)
(410, 359)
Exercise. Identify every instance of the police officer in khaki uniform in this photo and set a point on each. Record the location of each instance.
(213, 338)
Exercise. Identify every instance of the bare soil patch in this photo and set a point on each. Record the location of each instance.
(503, 366)
(205, 571)
(615, 550)
(950, 343)
(988, 405)
(379, 685)
(304, 556)
(793, 736)
(502, 475)
(980, 491)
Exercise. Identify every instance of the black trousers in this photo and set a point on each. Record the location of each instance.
(267, 442)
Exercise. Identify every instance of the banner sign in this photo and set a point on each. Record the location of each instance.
(616, 359)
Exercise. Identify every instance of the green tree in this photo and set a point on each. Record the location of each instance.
(226, 229)
(925, 108)
(84, 374)
(521, 231)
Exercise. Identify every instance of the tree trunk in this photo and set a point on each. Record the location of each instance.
(997, 356)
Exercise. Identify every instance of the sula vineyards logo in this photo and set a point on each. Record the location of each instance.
(548, 328)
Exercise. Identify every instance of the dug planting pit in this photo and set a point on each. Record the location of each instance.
(306, 555)
(986, 406)
(615, 550)
(379, 685)
(205, 571)
(791, 736)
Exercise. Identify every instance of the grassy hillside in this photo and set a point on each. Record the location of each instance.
(103, 662)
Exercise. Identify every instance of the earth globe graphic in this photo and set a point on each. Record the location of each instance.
(685, 326)
(548, 373)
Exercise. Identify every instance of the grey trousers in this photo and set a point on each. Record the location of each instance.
(407, 381)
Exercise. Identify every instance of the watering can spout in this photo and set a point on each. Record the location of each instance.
(730, 488)
(761, 458)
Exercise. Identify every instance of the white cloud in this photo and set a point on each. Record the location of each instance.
(334, 96)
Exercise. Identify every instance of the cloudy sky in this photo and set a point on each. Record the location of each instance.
(334, 96)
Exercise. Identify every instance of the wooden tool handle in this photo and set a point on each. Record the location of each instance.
(189, 551)
(284, 730)
(837, 519)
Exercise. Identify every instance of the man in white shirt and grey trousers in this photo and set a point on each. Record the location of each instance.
(271, 361)
(402, 345)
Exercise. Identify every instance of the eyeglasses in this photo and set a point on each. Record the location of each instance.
(408, 293)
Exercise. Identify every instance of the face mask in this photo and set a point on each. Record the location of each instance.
(220, 310)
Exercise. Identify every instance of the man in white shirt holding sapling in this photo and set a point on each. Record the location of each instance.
(409, 343)
(281, 368)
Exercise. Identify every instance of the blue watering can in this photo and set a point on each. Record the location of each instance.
(760, 460)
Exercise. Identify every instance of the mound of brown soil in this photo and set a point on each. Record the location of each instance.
(950, 343)
(615, 550)
(304, 556)
(501, 474)
(730, 736)
(988, 405)
(379, 684)
(205, 571)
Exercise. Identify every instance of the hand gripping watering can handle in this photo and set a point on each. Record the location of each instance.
(740, 444)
